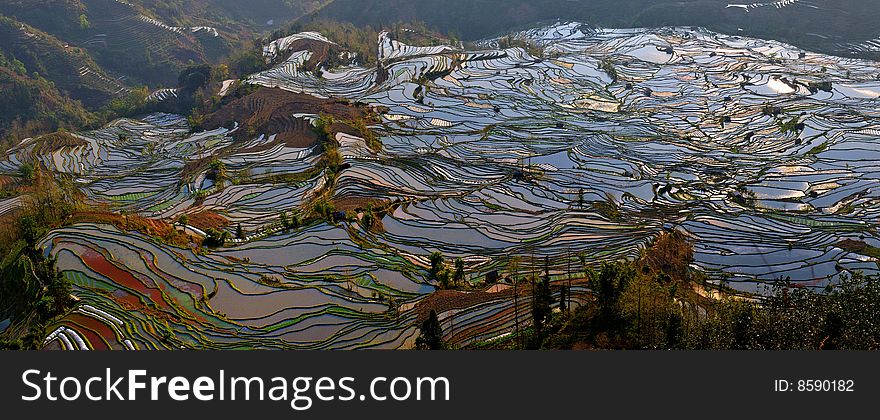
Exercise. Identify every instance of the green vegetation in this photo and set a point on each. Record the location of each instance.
(183, 220)
(818, 149)
(789, 126)
(216, 238)
(32, 291)
(510, 41)
(439, 272)
(370, 137)
(371, 221)
(32, 105)
(84, 22)
(431, 334)
(217, 173)
(608, 67)
(793, 26)
(652, 303)
(245, 62)
(542, 298)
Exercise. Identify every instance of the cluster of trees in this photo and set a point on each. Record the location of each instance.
(331, 159)
(32, 105)
(32, 291)
(291, 222)
(217, 173)
(651, 303)
(216, 238)
(636, 313)
(654, 302)
(370, 221)
(446, 277)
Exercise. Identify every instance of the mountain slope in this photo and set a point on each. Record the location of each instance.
(71, 68)
(32, 105)
(823, 25)
(120, 37)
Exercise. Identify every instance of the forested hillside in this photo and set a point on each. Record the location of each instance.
(31, 104)
(66, 61)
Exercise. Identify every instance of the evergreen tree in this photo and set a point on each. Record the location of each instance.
(562, 296)
(431, 335)
(285, 223)
(438, 271)
(458, 277)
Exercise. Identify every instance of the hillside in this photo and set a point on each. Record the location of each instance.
(841, 27)
(321, 203)
(71, 68)
(31, 105)
(230, 14)
(120, 38)
(65, 58)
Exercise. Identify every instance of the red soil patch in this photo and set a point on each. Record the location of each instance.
(6, 182)
(102, 266)
(320, 52)
(206, 219)
(98, 334)
(358, 203)
(270, 111)
(150, 227)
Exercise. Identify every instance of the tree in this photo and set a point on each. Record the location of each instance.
(431, 334)
(183, 220)
(513, 269)
(438, 271)
(216, 238)
(84, 23)
(239, 232)
(194, 78)
(458, 277)
(369, 218)
(582, 257)
(26, 171)
(562, 296)
(285, 223)
(32, 293)
(542, 299)
(217, 172)
(608, 285)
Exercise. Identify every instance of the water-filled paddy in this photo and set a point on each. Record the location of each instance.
(765, 156)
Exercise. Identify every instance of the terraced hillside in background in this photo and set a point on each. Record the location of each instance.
(97, 51)
(840, 27)
(71, 68)
(121, 38)
(316, 194)
(232, 15)
(32, 104)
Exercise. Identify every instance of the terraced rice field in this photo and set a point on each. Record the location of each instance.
(764, 154)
